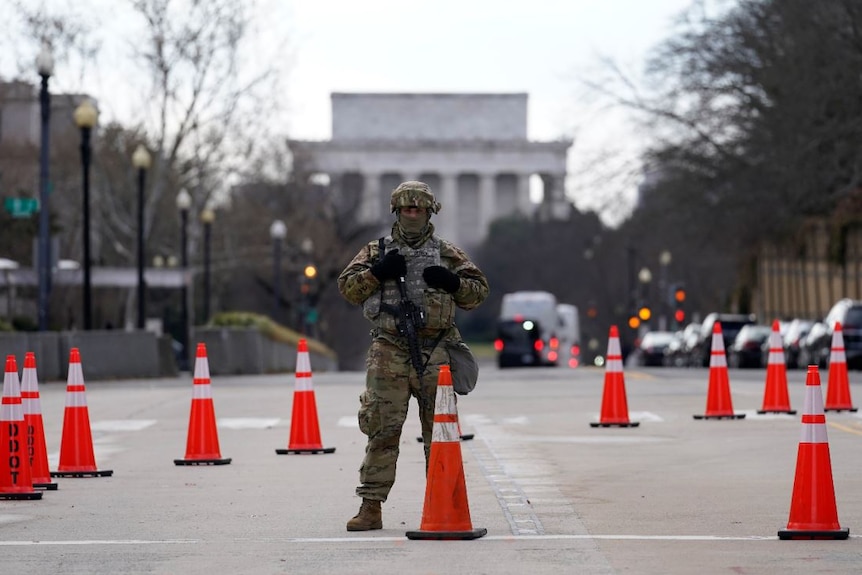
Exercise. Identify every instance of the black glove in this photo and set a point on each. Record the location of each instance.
(441, 278)
(392, 266)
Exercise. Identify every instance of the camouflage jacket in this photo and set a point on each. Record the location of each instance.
(356, 283)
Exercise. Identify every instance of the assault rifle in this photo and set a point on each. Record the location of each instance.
(409, 318)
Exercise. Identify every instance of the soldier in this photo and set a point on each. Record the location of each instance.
(438, 277)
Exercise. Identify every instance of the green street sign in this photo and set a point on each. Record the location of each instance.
(21, 207)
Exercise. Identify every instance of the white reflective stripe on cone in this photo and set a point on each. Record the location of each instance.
(76, 374)
(813, 417)
(838, 355)
(776, 357)
(76, 399)
(303, 382)
(202, 390)
(11, 412)
(717, 358)
(202, 368)
(445, 432)
(303, 362)
(31, 405)
(614, 347)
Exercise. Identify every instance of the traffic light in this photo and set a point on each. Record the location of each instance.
(644, 313)
(679, 300)
(634, 322)
(310, 271)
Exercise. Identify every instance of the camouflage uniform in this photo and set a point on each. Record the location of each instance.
(391, 378)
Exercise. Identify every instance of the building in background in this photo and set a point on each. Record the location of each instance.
(472, 149)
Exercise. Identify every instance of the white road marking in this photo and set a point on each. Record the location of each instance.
(248, 422)
(122, 425)
(100, 542)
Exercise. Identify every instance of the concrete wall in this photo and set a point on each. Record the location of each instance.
(242, 351)
(114, 354)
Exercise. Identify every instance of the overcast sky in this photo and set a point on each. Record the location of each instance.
(541, 47)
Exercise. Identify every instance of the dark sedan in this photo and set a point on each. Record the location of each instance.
(747, 348)
(652, 347)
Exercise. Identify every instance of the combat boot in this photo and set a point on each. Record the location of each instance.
(369, 517)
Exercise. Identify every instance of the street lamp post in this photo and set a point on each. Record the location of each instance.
(85, 118)
(277, 231)
(207, 217)
(664, 258)
(308, 273)
(141, 160)
(45, 66)
(184, 204)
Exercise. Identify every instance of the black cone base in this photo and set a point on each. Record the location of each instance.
(47, 486)
(95, 473)
(850, 409)
(622, 424)
(202, 461)
(731, 416)
(465, 437)
(786, 534)
(448, 535)
(31, 495)
(305, 450)
(787, 411)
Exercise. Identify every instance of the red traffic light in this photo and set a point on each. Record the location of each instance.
(679, 316)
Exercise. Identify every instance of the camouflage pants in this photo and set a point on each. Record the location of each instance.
(389, 384)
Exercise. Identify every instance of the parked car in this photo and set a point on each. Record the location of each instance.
(747, 348)
(679, 351)
(849, 313)
(652, 347)
(810, 352)
(731, 323)
(796, 332)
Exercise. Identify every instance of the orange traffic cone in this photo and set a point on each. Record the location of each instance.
(813, 513)
(202, 447)
(718, 402)
(35, 428)
(76, 445)
(838, 391)
(304, 427)
(775, 396)
(16, 481)
(615, 411)
(446, 514)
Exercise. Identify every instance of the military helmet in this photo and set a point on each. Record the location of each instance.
(414, 193)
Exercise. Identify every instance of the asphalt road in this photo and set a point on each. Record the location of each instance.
(671, 496)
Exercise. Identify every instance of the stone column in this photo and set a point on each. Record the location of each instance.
(370, 197)
(522, 185)
(446, 223)
(487, 203)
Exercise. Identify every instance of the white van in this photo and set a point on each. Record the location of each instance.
(537, 312)
(569, 335)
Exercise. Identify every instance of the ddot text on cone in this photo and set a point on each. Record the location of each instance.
(16, 481)
(35, 426)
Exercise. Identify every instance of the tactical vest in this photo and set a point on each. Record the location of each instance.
(438, 305)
